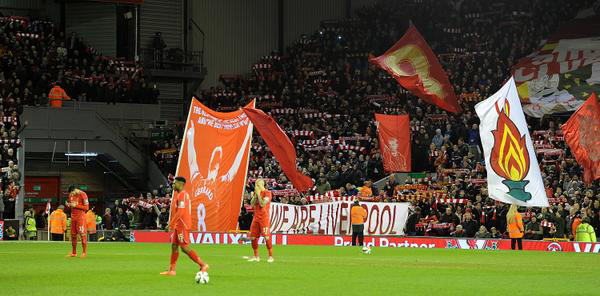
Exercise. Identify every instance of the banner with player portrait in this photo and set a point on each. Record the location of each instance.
(333, 218)
(394, 142)
(213, 159)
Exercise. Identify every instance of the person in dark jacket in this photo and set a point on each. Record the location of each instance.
(1, 205)
(494, 233)
(412, 222)
(121, 219)
(450, 217)
(110, 95)
(470, 225)
(559, 223)
(534, 230)
(163, 217)
(149, 221)
(107, 220)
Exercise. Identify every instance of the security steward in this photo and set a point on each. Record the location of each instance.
(58, 224)
(358, 217)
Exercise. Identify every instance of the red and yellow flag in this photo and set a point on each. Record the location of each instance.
(581, 133)
(414, 65)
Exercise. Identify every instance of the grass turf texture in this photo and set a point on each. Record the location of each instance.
(133, 269)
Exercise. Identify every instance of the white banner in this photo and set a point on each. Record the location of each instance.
(333, 218)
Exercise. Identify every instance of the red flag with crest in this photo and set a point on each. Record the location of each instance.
(581, 133)
(414, 65)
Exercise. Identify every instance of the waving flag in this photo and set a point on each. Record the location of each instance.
(581, 133)
(562, 74)
(281, 146)
(213, 157)
(414, 65)
(513, 173)
(394, 141)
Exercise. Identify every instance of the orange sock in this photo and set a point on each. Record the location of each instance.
(84, 243)
(270, 247)
(192, 254)
(174, 256)
(255, 247)
(74, 244)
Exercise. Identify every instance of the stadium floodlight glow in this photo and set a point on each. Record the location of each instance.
(82, 154)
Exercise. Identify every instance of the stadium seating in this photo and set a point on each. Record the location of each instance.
(35, 55)
(323, 92)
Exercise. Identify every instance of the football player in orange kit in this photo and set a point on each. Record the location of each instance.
(180, 223)
(261, 201)
(78, 202)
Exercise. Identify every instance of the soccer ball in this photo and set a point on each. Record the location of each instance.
(202, 277)
(366, 250)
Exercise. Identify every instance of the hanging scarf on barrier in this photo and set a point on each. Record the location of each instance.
(300, 133)
(411, 187)
(453, 200)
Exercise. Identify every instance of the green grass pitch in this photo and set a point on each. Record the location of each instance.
(133, 269)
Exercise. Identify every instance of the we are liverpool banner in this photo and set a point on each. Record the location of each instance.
(414, 65)
(333, 218)
(214, 160)
(394, 141)
(513, 172)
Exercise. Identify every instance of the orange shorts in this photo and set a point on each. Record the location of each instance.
(180, 236)
(259, 228)
(78, 226)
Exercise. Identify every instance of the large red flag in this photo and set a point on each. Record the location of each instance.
(394, 141)
(213, 157)
(581, 133)
(281, 146)
(416, 68)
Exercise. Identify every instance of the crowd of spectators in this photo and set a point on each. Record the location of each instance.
(164, 147)
(323, 92)
(10, 176)
(145, 211)
(477, 44)
(35, 55)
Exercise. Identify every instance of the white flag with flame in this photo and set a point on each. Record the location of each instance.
(513, 173)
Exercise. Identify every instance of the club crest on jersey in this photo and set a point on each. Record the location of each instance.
(204, 191)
